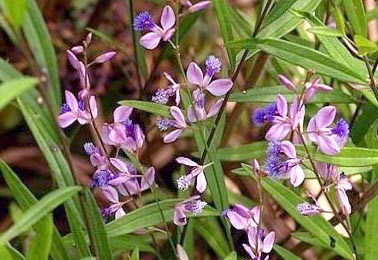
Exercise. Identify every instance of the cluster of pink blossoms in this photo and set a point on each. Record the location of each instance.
(287, 128)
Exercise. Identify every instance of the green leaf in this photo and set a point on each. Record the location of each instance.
(243, 152)
(223, 15)
(304, 57)
(40, 43)
(316, 225)
(153, 108)
(15, 11)
(284, 253)
(38, 211)
(356, 15)
(269, 95)
(25, 200)
(129, 242)
(12, 88)
(231, 256)
(364, 45)
(310, 239)
(207, 228)
(40, 245)
(9, 253)
(281, 21)
(325, 31)
(135, 254)
(97, 228)
(148, 216)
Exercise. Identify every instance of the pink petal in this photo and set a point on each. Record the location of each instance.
(179, 217)
(214, 109)
(181, 253)
(281, 105)
(73, 59)
(105, 57)
(201, 182)
(325, 116)
(220, 87)
(191, 114)
(289, 149)
(122, 113)
(252, 235)
(168, 34)
(286, 82)
(93, 106)
(148, 179)
(328, 145)
(122, 179)
(150, 40)
(178, 116)
(344, 202)
(277, 132)
(168, 18)
(71, 101)
(194, 74)
(268, 242)
(296, 175)
(111, 194)
(105, 131)
(199, 6)
(120, 165)
(249, 251)
(186, 161)
(236, 220)
(117, 134)
(120, 213)
(66, 119)
(172, 136)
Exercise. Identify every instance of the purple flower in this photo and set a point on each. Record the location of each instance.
(128, 182)
(282, 161)
(192, 8)
(313, 87)
(259, 244)
(329, 140)
(116, 206)
(196, 172)
(217, 87)
(164, 33)
(308, 209)
(285, 121)
(95, 156)
(287, 82)
(243, 218)
(164, 123)
(75, 110)
(197, 111)
(101, 178)
(144, 22)
(178, 122)
(192, 205)
(105, 57)
(162, 96)
(265, 114)
(342, 185)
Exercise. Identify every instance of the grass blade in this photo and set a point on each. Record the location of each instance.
(12, 88)
(40, 246)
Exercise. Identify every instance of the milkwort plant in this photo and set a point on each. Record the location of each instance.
(307, 184)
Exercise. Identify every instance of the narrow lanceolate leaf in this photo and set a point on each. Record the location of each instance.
(135, 254)
(269, 95)
(281, 20)
(148, 216)
(40, 42)
(14, 11)
(157, 109)
(364, 45)
(325, 31)
(38, 211)
(304, 57)
(97, 228)
(224, 18)
(10, 89)
(284, 253)
(207, 228)
(25, 200)
(10, 253)
(356, 15)
(231, 256)
(40, 245)
(316, 225)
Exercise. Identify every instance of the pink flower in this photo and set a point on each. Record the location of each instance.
(216, 87)
(292, 164)
(243, 218)
(259, 244)
(75, 110)
(164, 33)
(313, 87)
(96, 157)
(192, 205)
(197, 111)
(196, 172)
(178, 122)
(287, 83)
(192, 8)
(329, 140)
(162, 95)
(116, 206)
(285, 121)
(308, 209)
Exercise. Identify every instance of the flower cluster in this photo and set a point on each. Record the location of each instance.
(287, 128)
(259, 243)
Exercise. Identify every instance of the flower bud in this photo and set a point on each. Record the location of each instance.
(105, 57)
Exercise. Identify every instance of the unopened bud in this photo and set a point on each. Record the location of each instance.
(77, 49)
(105, 57)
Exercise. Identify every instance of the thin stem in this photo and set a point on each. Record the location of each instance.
(371, 76)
